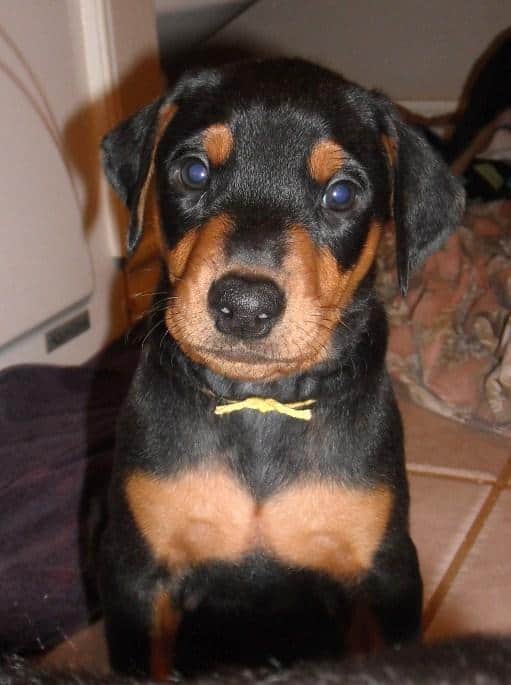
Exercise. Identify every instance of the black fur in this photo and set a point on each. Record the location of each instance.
(464, 661)
(276, 110)
(427, 203)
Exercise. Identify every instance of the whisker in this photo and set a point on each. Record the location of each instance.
(153, 328)
(166, 332)
(149, 293)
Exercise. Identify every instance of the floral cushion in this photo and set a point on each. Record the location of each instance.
(450, 340)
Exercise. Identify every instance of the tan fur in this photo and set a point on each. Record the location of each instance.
(206, 515)
(177, 259)
(317, 291)
(197, 516)
(325, 160)
(390, 146)
(364, 263)
(326, 527)
(218, 143)
(163, 634)
(165, 116)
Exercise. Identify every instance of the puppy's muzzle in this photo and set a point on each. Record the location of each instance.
(245, 307)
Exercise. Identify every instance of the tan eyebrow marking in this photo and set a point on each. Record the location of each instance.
(219, 143)
(325, 160)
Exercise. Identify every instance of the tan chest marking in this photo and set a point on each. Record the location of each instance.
(198, 516)
(326, 527)
(204, 516)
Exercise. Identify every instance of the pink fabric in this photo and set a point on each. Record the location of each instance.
(450, 341)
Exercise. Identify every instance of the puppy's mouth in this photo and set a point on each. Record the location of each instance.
(245, 356)
(245, 361)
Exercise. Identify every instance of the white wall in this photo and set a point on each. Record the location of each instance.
(75, 67)
(416, 51)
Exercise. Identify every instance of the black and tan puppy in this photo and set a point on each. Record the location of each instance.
(259, 488)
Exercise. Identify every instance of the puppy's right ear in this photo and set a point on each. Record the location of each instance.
(129, 152)
(428, 201)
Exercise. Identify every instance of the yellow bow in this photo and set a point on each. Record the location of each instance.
(263, 405)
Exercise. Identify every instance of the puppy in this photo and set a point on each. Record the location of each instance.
(259, 489)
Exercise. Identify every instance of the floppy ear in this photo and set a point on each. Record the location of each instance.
(128, 154)
(428, 200)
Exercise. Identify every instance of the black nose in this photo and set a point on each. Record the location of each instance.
(245, 307)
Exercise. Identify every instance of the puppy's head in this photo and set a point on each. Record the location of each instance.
(271, 182)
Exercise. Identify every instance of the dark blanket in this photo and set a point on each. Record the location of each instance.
(56, 444)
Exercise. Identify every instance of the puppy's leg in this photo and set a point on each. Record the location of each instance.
(140, 619)
(165, 622)
(394, 590)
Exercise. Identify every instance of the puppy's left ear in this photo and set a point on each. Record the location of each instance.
(128, 160)
(428, 200)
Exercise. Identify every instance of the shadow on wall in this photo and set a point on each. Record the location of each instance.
(109, 373)
(85, 129)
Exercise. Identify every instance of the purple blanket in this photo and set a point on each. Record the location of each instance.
(57, 430)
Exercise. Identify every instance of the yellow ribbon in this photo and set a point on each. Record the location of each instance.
(263, 405)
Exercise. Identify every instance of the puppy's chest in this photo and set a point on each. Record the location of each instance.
(208, 512)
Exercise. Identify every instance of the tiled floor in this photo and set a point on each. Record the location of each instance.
(460, 482)
(461, 522)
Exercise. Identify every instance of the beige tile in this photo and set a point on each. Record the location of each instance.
(480, 597)
(436, 444)
(86, 650)
(442, 511)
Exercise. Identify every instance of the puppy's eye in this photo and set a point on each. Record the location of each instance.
(194, 173)
(339, 196)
